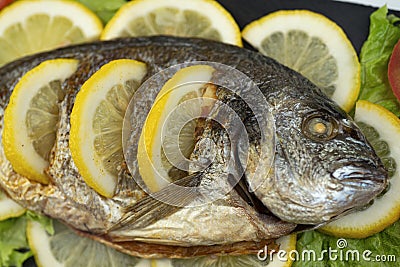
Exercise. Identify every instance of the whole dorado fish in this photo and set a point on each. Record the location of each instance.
(315, 177)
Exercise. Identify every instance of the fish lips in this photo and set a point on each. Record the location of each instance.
(361, 174)
(362, 180)
(349, 187)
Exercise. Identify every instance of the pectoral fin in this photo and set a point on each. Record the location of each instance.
(160, 204)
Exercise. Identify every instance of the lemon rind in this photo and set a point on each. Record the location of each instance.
(39, 243)
(288, 244)
(9, 208)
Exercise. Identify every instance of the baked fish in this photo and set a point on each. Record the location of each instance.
(314, 177)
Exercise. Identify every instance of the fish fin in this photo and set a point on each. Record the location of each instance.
(242, 188)
(161, 204)
(306, 227)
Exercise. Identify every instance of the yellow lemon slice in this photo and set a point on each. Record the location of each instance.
(96, 122)
(9, 208)
(27, 27)
(31, 117)
(382, 129)
(64, 248)
(194, 18)
(67, 249)
(187, 83)
(286, 244)
(313, 45)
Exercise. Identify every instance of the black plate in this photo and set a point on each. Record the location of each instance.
(354, 19)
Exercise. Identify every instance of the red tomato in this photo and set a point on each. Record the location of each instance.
(3, 3)
(394, 70)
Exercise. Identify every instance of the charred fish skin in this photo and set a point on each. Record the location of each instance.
(297, 173)
(73, 202)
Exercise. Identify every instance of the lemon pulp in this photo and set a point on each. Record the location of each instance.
(65, 248)
(195, 18)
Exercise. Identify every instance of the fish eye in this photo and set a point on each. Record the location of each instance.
(320, 127)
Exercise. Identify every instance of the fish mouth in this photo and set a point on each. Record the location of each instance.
(362, 175)
(354, 186)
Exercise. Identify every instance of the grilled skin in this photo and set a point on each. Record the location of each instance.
(313, 179)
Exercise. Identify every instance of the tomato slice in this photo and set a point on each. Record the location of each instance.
(4, 3)
(394, 70)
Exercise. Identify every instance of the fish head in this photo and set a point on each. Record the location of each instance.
(324, 167)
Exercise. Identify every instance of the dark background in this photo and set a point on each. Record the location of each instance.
(354, 19)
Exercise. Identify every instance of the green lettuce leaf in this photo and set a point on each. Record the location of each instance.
(104, 9)
(14, 249)
(378, 250)
(46, 222)
(374, 57)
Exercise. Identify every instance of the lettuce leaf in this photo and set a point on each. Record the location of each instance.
(105, 9)
(374, 57)
(46, 222)
(14, 249)
(380, 246)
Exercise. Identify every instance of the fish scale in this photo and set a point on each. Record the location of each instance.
(232, 224)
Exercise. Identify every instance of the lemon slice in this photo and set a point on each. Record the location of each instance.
(187, 83)
(9, 208)
(27, 27)
(286, 243)
(154, 263)
(31, 117)
(67, 249)
(96, 122)
(312, 45)
(382, 129)
(195, 18)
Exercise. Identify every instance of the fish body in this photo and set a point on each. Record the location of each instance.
(314, 177)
